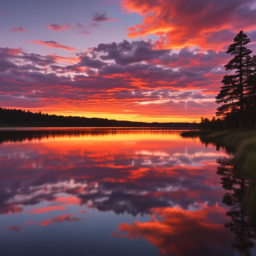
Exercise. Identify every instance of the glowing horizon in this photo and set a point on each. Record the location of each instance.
(134, 60)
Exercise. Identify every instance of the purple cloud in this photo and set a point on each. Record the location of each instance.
(97, 17)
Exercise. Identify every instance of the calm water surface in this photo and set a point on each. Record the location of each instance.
(113, 192)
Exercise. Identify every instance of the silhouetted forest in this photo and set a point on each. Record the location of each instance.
(19, 118)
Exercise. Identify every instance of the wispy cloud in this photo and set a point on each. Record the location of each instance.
(18, 227)
(53, 44)
(85, 32)
(59, 219)
(79, 25)
(19, 29)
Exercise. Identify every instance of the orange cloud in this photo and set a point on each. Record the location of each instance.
(58, 28)
(53, 44)
(64, 59)
(68, 200)
(185, 24)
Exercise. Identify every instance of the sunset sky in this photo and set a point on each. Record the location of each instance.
(139, 60)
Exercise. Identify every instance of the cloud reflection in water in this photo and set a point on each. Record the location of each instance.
(140, 174)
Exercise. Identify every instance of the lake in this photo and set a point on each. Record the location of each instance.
(76, 191)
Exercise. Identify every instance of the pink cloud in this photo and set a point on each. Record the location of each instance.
(10, 209)
(58, 28)
(47, 209)
(107, 3)
(14, 228)
(83, 33)
(3, 13)
(19, 29)
(53, 44)
(58, 58)
(59, 219)
(18, 227)
(13, 51)
(81, 29)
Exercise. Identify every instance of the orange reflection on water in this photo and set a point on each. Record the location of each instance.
(47, 209)
(181, 232)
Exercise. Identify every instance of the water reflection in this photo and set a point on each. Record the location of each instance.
(149, 184)
(183, 232)
(233, 180)
(29, 134)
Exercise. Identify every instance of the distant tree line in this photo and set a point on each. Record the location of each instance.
(13, 117)
(238, 92)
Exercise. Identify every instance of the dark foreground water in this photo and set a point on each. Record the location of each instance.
(116, 192)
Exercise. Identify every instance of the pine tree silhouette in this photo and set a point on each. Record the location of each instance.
(233, 92)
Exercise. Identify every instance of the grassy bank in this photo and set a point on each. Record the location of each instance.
(243, 148)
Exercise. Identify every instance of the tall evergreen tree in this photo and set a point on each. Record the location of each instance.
(233, 92)
(229, 95)
(251, 93)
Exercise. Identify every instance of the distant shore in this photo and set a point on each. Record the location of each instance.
(21, 118)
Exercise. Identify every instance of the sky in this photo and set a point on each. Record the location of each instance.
(138, 60)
